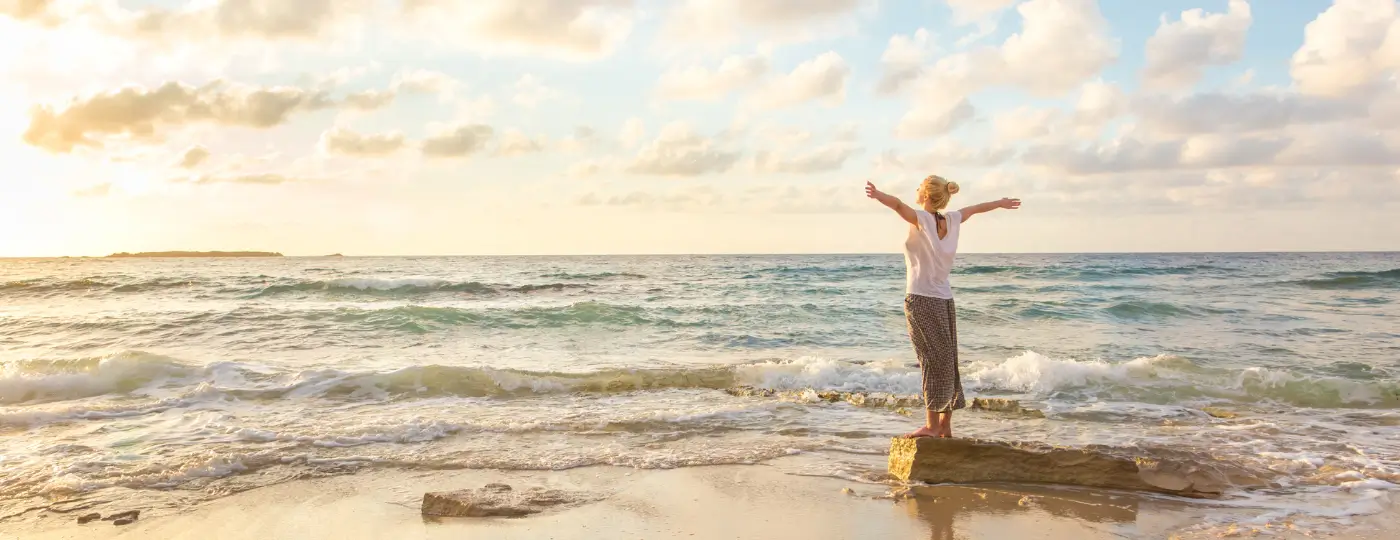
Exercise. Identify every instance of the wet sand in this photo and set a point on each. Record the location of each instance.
(765, 501)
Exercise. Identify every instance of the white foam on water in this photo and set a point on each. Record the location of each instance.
(826, 374)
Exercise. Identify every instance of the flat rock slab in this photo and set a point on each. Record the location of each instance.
(969, 461)
(500, 500)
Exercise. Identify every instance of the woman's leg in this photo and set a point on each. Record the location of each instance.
(915, 312)
(945, 425)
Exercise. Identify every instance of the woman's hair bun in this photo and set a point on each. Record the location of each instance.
(953, 188)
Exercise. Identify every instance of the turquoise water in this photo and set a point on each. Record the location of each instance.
(197, 374)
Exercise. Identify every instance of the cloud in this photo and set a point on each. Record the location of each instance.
(723, 21)
(1099, 103)
(969, 11)
(193, 157)
(1061, 45)
(591, 167)
(946, 152)
(1349, 48)
(424, 81)
(530, 92)
(1338, 148)
(632, 132)
(584, 137)
(928, 120)
(25, 9)
(141, 113)
(1215, 112)
(516, 143)
(458, 141)
(689, 199)
(822, 78)
(697, 83)
(242, 19)
(1025, 124)
(679, 151)
(256, 179)
(826, 158)
(903, 60)
(1179, 50)
(568, 29)
(94, 191)
(349, 143)
(369, 100)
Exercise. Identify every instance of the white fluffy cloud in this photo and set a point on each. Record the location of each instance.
(679, 151)
(141, 113)
(345, 142)
(424, 81)
(457, 141)
(932, 119)
(530, 92)
(1350, 47)
(1061, 45)
(569, 29)
(1179, 50)
(516, 143)
(237, 19)
(825, 158)
(369, 100)
(194, 157)
(903, 60)
(820, 79)
(702, 84)
(721, 21)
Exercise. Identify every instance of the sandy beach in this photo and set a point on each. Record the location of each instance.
(773, 500)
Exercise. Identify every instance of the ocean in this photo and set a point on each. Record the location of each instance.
(181, 380)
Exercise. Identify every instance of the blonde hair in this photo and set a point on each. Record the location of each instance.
(935, 192)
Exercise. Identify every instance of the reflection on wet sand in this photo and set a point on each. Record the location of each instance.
(966, 512)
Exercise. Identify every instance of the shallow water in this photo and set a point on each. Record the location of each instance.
(182, 373)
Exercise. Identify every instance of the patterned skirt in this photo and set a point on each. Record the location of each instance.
(933, 328)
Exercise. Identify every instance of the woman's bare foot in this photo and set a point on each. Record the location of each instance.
(922, 432)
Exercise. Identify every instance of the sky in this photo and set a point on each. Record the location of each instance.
(505, 127)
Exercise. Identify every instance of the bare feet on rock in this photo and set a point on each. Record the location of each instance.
(922, 432)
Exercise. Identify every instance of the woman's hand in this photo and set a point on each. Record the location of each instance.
(871, 192)
(1009, 203)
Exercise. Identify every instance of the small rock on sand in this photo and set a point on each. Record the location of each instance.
(88, 518)
(130, 515)
(1220, 413)
(500, 500)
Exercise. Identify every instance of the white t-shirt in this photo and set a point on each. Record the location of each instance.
(928, 259)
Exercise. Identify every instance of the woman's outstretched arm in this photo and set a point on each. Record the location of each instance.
(893, 203)
(1009, 204)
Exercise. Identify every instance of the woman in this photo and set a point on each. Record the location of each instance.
(928, 302)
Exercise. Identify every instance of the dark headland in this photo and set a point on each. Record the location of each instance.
(147, 254)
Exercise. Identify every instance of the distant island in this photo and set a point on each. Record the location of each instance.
(195, 254)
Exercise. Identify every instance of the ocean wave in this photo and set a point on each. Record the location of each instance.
(406, 286)
(1173, 380)
(1353, 280)
(1153, 380)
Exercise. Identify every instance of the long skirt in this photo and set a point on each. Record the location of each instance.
(933, 328)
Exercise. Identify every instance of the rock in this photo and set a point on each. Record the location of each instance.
(84, 519)
(1220, 413)
(129, 516)
(848, 491)
(126, 521)
(1005, 406)
(500, 500)
(969, 461)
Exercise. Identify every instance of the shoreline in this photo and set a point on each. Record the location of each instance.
(774, 499)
